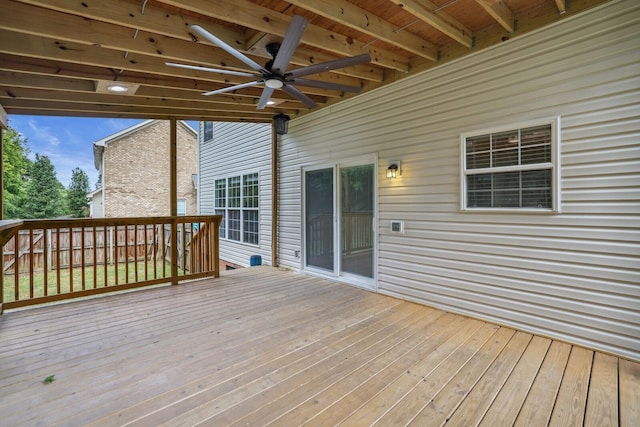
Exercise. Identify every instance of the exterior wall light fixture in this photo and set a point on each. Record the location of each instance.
(281, 122)
(393, 171)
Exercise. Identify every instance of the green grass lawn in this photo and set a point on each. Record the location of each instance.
(89, 274)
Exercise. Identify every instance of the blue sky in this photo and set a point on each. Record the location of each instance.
(68, 141)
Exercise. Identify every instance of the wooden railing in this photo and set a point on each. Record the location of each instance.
(357, 233)
(49, 260)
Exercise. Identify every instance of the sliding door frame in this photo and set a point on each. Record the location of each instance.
(337, 273)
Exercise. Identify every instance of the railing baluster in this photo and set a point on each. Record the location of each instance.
(31, 290)
(105, 257)
(115, 259)
(58, 286)
(146, 253)
(126, 253)
(70, 256)
(82, 256)
(135, 251)
(204, 240)
(94, 236)
(16, 267)
(164, 252)
(155, 251)
(45, 261)
(184, 248)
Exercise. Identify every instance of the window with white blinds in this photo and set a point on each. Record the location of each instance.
(511, 169)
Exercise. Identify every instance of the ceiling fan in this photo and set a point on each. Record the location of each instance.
(274, 74)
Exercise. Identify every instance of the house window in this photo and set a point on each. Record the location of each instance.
(182, 207)
(514, 168)
(207, 131)
(220, 202)
(236, 199)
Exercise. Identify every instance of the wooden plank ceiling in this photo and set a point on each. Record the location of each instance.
(57, 55)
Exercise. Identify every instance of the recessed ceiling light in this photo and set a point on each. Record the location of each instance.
(272, 102)
(117, 88)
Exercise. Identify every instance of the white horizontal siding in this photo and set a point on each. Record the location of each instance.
(573, 275)
(236, 149)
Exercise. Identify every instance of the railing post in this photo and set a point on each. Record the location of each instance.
(215, 243)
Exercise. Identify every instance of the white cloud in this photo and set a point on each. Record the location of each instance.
(43, 134)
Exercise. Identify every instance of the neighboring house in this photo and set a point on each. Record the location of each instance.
(134, 170)
(96, 208)
(237, 186)
(518, 194)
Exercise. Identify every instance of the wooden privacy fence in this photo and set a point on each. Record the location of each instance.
(57, 259)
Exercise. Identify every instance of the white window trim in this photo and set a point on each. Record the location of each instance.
(365, 283)
(240, 208)
(185, 206)
(554, 166)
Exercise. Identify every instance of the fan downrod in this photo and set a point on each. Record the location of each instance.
(272, 49)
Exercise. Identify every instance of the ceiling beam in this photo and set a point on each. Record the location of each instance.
(160, 23)
(260, 18)
(364, 21)
(72, 108)
(38, 47)
(133, 115)
(501, 12)
(151, 85)
(130, 13)
(9, 91)
(61, 26)
(427, 12)
(40, 72)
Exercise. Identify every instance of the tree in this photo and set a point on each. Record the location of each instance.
(16, 166)
(77, 194)
(45, 194)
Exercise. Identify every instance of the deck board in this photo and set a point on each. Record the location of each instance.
(536, 410)
(629, 379)
(263, 346)
(572, 398)
(602, 405)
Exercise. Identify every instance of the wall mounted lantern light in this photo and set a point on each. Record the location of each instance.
(393, 171)
(281, 122)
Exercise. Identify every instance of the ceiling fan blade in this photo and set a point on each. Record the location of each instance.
(291, 90)
(289, 44)
(325, 85)
(212, 70)
(266, 95)
(232, 88)
(229, 49)
(330, 65)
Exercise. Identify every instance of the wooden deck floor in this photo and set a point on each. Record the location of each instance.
(261, 346)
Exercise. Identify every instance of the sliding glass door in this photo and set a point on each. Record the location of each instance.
(339, 220)
(319, 208)
(356, 220)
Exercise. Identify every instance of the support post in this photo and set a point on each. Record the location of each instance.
(173, 197)
(274, 197)
(4, 124)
